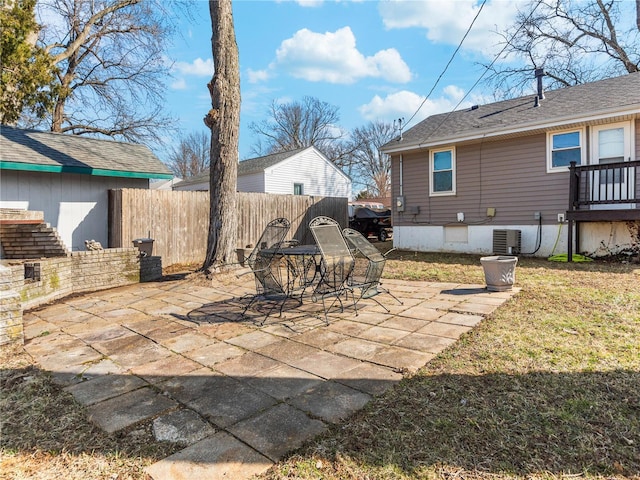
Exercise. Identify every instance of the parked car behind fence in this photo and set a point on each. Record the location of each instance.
(370, 222)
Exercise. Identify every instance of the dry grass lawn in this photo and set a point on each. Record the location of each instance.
(547, 387)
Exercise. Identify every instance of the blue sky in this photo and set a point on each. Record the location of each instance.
(374, 60)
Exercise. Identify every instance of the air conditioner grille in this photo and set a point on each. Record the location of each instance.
(507, 242)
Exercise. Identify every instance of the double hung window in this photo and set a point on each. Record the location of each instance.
(563, 148)
(442, 170)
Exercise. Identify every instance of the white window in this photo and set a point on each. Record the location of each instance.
(442, 171)
(563, 148)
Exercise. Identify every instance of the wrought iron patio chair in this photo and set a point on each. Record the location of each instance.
(336, 264)
(265, 262)
(369, 265)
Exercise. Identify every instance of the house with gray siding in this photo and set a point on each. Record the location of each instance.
(551, 172)
(68, 177)
(305, 171)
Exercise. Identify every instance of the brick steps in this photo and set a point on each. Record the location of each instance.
(29, 240)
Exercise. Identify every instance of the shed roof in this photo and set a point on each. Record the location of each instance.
(54, 152)
(605, 98)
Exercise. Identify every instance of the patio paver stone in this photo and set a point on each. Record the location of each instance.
(278, 430)
(128, 409)
(219, 457)
(239, 394)
(183, 427)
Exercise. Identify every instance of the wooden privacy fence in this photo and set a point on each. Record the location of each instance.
(178, 221)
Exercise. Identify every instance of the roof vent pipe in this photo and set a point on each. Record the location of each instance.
(539, 73)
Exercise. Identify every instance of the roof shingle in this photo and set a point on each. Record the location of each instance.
(75, 153)
(564, 105)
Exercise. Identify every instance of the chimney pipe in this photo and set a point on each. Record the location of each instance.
(539, 73)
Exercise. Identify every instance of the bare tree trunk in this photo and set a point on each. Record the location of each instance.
(57, 118)
(224, 121)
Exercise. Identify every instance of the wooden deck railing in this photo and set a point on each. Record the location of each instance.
(604, 184)
(604, 192)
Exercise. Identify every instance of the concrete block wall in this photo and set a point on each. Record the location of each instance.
(150, 269)
(100, 269)
(54, 278)
(11, 327)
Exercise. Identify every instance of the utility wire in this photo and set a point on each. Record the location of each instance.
(449, 62)
(487, 68)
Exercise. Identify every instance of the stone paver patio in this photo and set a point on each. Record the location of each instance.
(237, 395)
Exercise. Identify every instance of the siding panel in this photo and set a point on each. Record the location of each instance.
(508, 175)
(319, 176)
(253, 182)
(76, 205)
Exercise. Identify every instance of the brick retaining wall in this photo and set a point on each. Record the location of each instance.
(54, 278)
(11, 329)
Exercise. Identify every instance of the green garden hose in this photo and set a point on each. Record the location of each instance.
(564, 257)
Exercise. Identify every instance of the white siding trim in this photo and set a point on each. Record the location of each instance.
(319, 176)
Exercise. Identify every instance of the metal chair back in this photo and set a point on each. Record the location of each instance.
(369, 261)
(337, 261)
(369, 265)
(264, 260)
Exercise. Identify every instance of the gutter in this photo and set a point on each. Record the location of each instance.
(98, 172)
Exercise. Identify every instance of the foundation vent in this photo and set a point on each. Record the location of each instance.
(507, 242)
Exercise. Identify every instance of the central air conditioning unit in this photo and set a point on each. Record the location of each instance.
(507, 242)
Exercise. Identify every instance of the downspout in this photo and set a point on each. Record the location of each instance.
(401, 189)
(401, 192)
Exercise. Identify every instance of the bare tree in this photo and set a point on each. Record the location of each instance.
(191, 156)
(575, 42)
(224, 121)
(370, 167)
(110, 66)
(297, 125)
(27, 71)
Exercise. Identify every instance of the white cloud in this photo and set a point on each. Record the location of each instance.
(179, 84)
(255, 76)
(314, 3)
(333, 57)
(446, 21)
(399, 104)
(454, 92)
(198, 68)
(309, 3)
(405, 103)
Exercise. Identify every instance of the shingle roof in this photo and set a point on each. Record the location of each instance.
(47, 151)
(566, 105)
(247, 167)
(260, 164)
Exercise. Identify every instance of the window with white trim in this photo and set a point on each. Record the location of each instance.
(563, 148)
(442, 171)
(298, 189)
